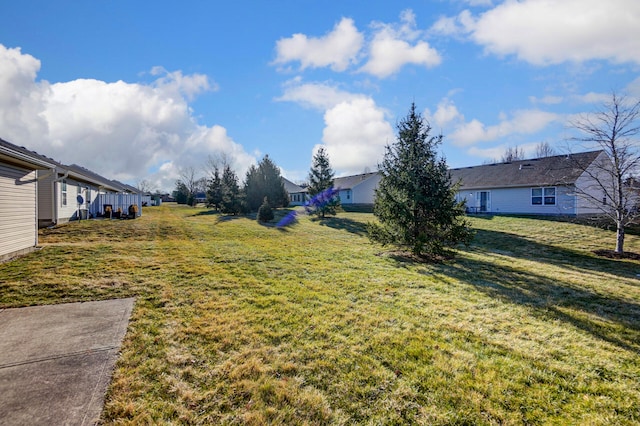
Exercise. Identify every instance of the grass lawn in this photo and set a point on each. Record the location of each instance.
(239, 323)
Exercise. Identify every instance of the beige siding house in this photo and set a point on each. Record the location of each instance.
(18, 199)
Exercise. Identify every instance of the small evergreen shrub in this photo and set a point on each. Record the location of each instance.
(265, 212)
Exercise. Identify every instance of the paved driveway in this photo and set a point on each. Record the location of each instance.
(56, 361)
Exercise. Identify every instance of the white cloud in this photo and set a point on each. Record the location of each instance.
(546, 100)
(356, 129)
(455, 26)
(522, 122)
(21, 98)
(175, 83)
(593, 98)
(337, 49)
(320, 96)
(446, 114)
(545, 32)
(392, 48)
(120, 130)
(355, 135)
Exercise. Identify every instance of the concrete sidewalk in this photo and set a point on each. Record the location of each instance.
(56, 361)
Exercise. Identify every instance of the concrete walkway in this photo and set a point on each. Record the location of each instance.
(56, 361)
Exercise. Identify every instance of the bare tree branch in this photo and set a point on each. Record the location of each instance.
(613, 129)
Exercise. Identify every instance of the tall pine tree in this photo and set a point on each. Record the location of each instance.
(415, 200)
(231, 202)
(214, 189)
(321, 179)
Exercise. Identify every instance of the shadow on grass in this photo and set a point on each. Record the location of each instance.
(516, 246)
(344, 224)
(613, 320)
(606, 317)
(206, 213)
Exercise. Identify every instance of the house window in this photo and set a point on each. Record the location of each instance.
(63, 199)
(543, 196)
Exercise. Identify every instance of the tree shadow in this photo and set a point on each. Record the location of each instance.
(344, 224)
(206, 213)
(519, 247)
(613, 320)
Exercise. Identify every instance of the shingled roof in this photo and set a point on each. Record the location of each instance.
(349, 182)
(546, 171)
(22, 156)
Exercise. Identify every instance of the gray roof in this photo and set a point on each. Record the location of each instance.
(546, 171)
(23, 157)
(291, 187)
(349, 182)
(86, 175)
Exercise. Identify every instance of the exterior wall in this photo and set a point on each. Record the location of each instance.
(297, 198)
(18, 212)
(46, 198)
(364, 193)
(346, 196)
(589, 192)
(67, 212)
(518, 201)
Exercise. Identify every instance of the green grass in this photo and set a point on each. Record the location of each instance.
(240, 323)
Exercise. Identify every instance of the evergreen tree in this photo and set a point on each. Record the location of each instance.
(415, 200)
(231, 202)
(321, 179)
(181, 193)
(214, 190)
(265, 181)
(265, 212)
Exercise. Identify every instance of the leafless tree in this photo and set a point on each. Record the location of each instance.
(145, 186)
(191, 180)
(543, 149)
(512, 154)
(613, 128)
(216, 163)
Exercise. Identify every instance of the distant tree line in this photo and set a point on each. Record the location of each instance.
(223, 191)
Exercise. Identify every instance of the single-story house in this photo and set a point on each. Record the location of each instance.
(18, 198)
(553, 185)
(357, 189)
(298, 195)
(74, 192)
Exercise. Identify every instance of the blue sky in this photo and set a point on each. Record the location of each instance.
(143, 90)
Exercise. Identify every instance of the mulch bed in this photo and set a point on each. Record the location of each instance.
(613, 255)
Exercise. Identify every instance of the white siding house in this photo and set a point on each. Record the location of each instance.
(357, 189)
(298, 195)
(18, 199)
(540, 186)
